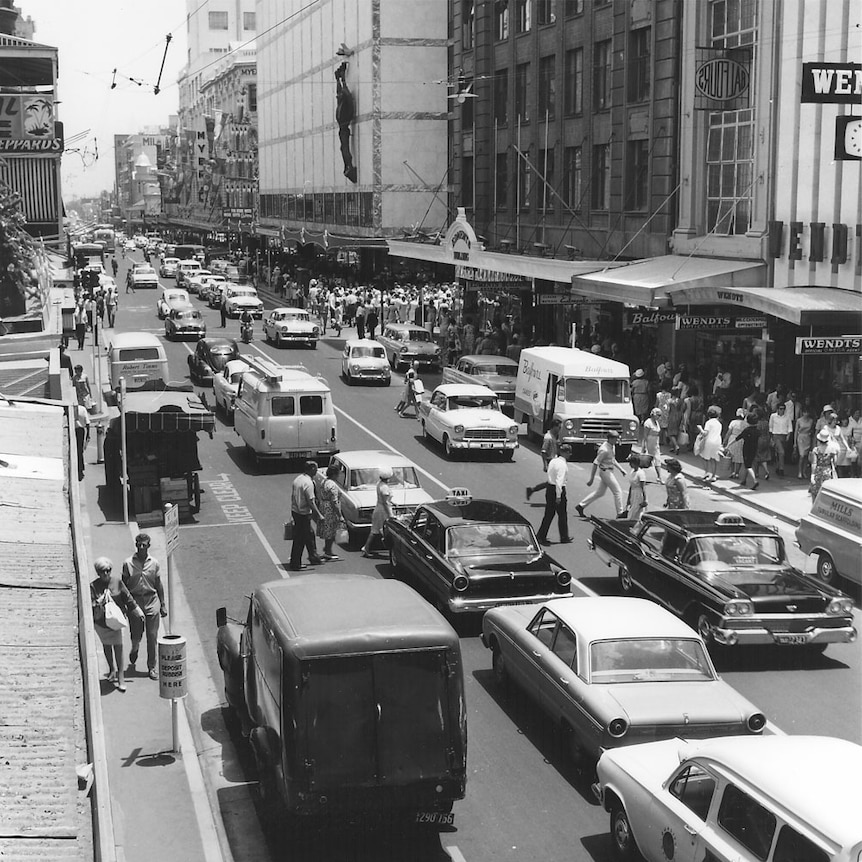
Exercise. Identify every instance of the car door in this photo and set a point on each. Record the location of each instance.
(413, 549)
(643, 568)
(198, 360)
(530, 650)
(435, 421)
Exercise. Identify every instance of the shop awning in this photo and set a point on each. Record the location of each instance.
(807, 306)
(649, 282)
(167, 412)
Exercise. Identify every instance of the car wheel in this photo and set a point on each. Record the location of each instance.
(621, 835)
(826, 569)
(703, 627)
(447, 445)
(278, 340)
(393, 564)
(266, 782)
(167, 334)
(626, 581)
(507, 455)
(498, 666)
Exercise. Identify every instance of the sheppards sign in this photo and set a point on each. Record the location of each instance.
(722, 79)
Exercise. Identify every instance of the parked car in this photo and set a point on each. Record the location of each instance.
(290, 326)
(464, 417)
(351, 693)
(195, 280)
(184, 322)
(406, 344)
(833, 531)
(170, 297)
(364, 360)
(144, 277)
(210, 356)
(240, 298)
(471, 555)
(168, 268)
(226, 385)
(739, 799)
(725, 575)
(498, 373)
(613, 671)
(357, 479)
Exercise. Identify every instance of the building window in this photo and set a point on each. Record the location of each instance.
(574, 81)
(467, 107)
(468, 24)
(522, 105)
(600, 181)
(602, 75)
(730, 137)
(547, 165)
(545, 11)
(522, 15)
(218, 20)
(639, 69)
(252, 97)
(501, 181)
(547, 87)
(501, 19)
(501, 97)
(525, 184)
(637, 175)
(572, 177)
(248, 22)
(573, 7)
(467, 182)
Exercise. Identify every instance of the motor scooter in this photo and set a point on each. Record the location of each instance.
(246, 331)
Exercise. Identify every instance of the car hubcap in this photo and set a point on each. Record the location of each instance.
(704, 628)
(826, 569)
(625, 580)
(621, 831)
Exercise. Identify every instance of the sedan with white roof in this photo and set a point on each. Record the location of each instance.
(290, 326)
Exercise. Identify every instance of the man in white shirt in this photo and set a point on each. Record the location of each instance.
(780, 429)
(555, 496)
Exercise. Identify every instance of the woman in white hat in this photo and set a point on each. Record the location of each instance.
(822, 462)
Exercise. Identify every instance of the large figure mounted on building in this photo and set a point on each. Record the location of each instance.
(345, 111)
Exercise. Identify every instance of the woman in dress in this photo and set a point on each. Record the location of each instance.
(733, 445)
(82, 387)
(675, 409)
(652, 438)
(662, 403)
(328, 501)
(764, 444)
(637, 501)
(846, 457)
(804, 430)
(695, 411)
(382, 510)
(676, 486)
(711, 445)
(749, 437)
(822, 461)
(105, 587)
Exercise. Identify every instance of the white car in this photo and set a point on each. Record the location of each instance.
(226, 384)
(290, 326)
(168, 268)
(171, 296)
(462, 416)
(364, 359)
(212, 285)
(239, 298)
(144, 276)
(197, 279)
(357, 481)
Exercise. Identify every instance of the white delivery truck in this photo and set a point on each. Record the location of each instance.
(589, 394)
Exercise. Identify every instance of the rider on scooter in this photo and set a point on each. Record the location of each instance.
(246, 325)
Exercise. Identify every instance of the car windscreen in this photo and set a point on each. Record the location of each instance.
(581, 390)
(614, 391)
(725, 553)
(463, 402)
(649, 660)
(366, 478)
(243, 293)
(479, 539)
(366, 352)
(418, 335)
(188, 315)
(499, 370)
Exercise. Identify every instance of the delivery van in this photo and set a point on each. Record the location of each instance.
(139, 358)
(589, 394)
(351, 692)
(833, 531)
(285, 412)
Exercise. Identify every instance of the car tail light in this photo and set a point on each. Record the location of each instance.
(564, 578)
(617, 727)
(460, 583)
(756, 722)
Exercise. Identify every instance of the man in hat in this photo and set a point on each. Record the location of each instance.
(604, 464)
(640, 398)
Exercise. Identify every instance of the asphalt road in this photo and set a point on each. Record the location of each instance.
(524, 801)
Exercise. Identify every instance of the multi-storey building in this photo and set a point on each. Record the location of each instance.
(142, 179)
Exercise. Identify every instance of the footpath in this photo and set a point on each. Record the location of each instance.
(162, 807)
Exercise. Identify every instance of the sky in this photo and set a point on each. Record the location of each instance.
(94, 37)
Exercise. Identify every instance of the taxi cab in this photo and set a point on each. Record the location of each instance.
(735, 799)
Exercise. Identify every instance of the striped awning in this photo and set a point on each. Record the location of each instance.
(35, 179)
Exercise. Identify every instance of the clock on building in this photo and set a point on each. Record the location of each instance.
(848, 138)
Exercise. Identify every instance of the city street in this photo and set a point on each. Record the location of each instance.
(524, 800)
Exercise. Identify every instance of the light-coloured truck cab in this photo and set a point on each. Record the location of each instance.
(589, 394)
(285, 412)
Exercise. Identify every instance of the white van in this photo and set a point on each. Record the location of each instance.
(138, 358)
(589, 394)
(285, 412)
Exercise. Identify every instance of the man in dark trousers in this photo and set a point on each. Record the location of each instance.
(303, 509)
(371, 321)
(222, 307)
(142, 576)
(555, 496)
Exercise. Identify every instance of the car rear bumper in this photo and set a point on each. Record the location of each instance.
(297, 454)
(811, 636)
(464, 605)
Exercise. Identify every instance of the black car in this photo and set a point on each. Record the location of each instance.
(210, 356)
(727, 576)
(471, 555)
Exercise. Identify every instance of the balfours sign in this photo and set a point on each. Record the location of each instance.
(722, 79)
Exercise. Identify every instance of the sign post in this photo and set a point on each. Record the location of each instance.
(172, 541)
(172, 647)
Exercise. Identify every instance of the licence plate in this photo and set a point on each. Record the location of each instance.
(305, 455)
(791, 639)
(486, 445)
(436, 818)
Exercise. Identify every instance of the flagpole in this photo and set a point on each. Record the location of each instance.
(518, 191)
(545, 177)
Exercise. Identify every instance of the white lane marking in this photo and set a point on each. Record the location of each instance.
(270, 550)
(455, 854)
